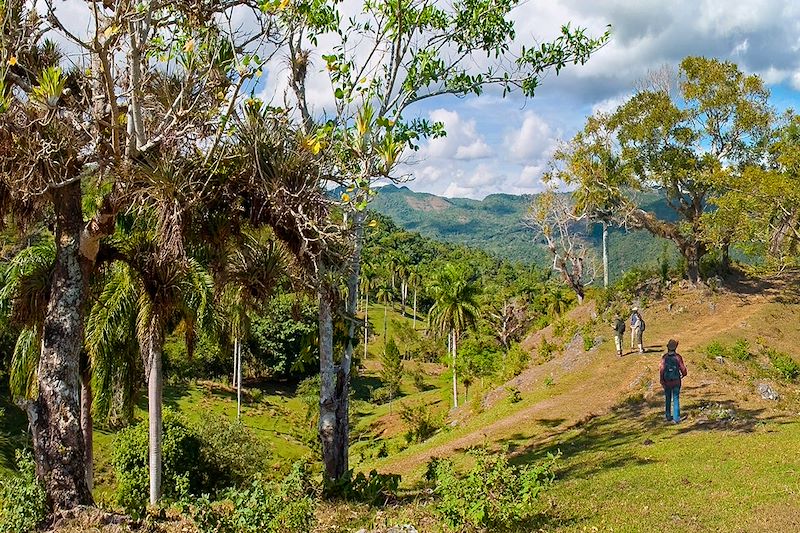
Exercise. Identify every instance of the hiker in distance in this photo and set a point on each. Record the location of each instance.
(671, 370)
(619, 330)
(637, 328)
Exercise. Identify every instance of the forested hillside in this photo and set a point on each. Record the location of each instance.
(496, 224)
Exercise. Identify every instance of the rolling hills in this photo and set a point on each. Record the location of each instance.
(496, 224)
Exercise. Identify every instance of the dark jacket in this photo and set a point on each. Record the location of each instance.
(671, 383)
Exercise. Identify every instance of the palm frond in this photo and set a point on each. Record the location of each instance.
(24, 364)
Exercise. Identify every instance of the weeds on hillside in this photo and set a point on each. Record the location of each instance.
(422, 423)
(493, 495)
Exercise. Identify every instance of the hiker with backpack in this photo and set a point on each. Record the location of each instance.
(671, 370)
(637, 328)
(619, 330)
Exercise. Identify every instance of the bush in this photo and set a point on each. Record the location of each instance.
(516, 360)
(740, 350)
(287, 506)
(565, 329)
(514, 395)
(22, 499)
(231, 451)
(374, 489)
(716, 349)
(418, 377)
(784, 364)
(546, 350)
(181, 463)
(391, 369)
(215, 455)
(493, 495)
(422, 424)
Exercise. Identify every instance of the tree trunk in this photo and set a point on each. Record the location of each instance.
(415, 308)
(693, 251)
(237, 349)
(54, 415)
(605, 254)
(366, 322)
(155, 389)
(455, 380)
(86, 425)
(333, 401)
(385, 321)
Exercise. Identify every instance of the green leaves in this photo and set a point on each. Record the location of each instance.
(51, 86)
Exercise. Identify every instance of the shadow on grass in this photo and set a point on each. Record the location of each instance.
(13, 431)
(172, 394)
(604, 442)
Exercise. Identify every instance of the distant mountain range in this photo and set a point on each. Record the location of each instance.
(496, 225)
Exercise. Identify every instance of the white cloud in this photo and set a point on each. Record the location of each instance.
(534, 139)
(462, 142)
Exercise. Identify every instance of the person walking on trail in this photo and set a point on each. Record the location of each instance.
(671, 370)
(619, 330)
(637, 328)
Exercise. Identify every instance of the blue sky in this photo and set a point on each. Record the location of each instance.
(504, 145)
(497, 145)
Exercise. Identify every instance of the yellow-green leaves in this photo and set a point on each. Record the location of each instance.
(51, 86)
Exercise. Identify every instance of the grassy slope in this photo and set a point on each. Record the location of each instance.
(621, 467)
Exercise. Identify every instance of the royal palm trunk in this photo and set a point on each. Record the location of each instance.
(55, 414)
(155, 390)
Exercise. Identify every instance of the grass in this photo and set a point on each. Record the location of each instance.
(621, 467)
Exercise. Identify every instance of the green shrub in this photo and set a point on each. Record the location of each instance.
(231, 451)
(588, 341)
(565, 329)
(391, 369)
(740, 350)
(418, 378)
(784, 364)
(514, 395)
(716, 349)
(493, 495)
(375, 489)
(181, 458)
(516, 360)
(548, 381)
(205, 458)
(22, 499)
(546, 350)
(422, 423)
(287, 506)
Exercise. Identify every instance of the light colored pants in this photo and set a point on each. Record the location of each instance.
(618, 341)
(636, 336)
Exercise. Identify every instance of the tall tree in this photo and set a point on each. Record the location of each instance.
(590, 162)
(685, 141)
(454, 310)
(391, 55)
(150, 79)
(552, 217)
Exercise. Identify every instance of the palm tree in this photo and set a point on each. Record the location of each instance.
(158, 292)
(414, 280)
(384, 295)
(454, 310)
(256, 266)
(368, 279)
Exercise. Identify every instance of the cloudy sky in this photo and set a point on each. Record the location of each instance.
(503, 145)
